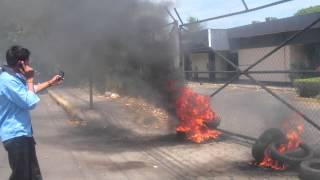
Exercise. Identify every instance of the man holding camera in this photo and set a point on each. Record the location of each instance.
(17, 98)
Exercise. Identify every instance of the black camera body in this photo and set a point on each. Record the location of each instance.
(61, 74)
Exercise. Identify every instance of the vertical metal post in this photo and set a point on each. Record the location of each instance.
(245, 4)
(91, 86)
(181, 55)
(91, 90)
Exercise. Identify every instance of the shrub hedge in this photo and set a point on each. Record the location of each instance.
(309, 87)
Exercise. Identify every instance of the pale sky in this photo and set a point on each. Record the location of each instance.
(203, 9)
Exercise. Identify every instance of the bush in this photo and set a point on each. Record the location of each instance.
(308, 87)
(300, 65)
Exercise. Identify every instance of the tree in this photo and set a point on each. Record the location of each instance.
(268, 19)
(194, 26)
(312, 9)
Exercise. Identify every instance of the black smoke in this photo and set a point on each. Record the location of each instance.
(125, 43)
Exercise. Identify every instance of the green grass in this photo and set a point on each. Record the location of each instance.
(309, 87)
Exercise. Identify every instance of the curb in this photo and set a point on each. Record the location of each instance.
(240, 86)
(73, 112)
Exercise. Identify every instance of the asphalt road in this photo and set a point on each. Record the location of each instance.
(250, 111)
(102, 150)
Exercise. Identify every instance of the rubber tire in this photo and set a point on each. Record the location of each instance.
(181, 136)
(213, 124)
(262, 143)
(307, 172)
(289, 158)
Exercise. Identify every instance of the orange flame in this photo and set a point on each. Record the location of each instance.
(194, 110)
(293, 136)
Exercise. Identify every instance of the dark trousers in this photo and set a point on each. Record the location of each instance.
(23, 159)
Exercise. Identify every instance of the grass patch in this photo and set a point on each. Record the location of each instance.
(309, 87)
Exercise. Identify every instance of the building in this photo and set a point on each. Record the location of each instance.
(203, 52)
(246, 44)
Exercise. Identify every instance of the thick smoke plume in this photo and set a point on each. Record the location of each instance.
(123, 42)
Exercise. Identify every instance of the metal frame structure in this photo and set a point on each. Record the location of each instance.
(238, 12)
(247, 72)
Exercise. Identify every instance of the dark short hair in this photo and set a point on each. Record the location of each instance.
(15, 54)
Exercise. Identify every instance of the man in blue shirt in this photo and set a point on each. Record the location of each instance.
(17, 98)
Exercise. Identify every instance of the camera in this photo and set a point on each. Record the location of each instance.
(61, 74)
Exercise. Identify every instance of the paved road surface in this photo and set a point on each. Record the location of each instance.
(250, 111)
(100, 150)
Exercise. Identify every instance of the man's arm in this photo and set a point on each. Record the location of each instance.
(30, 85)
(42, 86)
(57, 79)
(29, 74)
(17, 93)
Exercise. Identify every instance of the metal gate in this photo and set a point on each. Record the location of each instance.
(225, 99)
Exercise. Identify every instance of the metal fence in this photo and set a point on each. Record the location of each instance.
(256, 95)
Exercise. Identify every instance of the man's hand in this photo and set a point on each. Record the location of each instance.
(56, 80)
(27, 71)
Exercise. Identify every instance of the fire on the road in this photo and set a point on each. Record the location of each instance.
(194, 111)
(293, 135)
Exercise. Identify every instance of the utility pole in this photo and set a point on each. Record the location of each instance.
(91, 88)
(90, 83)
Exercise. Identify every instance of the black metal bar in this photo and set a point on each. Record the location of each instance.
(310, 121)
(176, 11)
(246, 73)
(172, 23)
(282, 72)
(265, 57)
(245, 4)
(282, 45)
(284, 102)
(227, 60)
(172, 17)
(91, 89)
(238, 135)
(217, 72)
(271, 92)
(181, 58)
(183, 28)
(239, 12)
(255, 72)
(161, 27)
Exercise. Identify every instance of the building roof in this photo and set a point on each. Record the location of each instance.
(262, 34)
(204, 40)
(290, 24)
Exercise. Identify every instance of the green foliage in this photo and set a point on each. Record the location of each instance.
(309, 87)
(195, 26)
(313, 54)
(300, 65)
(310, 63)
(312, 9)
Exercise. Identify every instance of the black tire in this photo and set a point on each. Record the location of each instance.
(269, 136)
(213, 124)
(181, 136)
(310, 170)
(291, 158)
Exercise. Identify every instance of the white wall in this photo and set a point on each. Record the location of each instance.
(221, 65)
(297, 53)
(280, 60)
(201, 61)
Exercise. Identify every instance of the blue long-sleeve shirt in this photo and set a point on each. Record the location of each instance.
(15, 103)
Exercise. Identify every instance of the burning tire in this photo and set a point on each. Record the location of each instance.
(181, 136)
(268, 137)
(214, 124)
(310, 170)
(291, 158)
